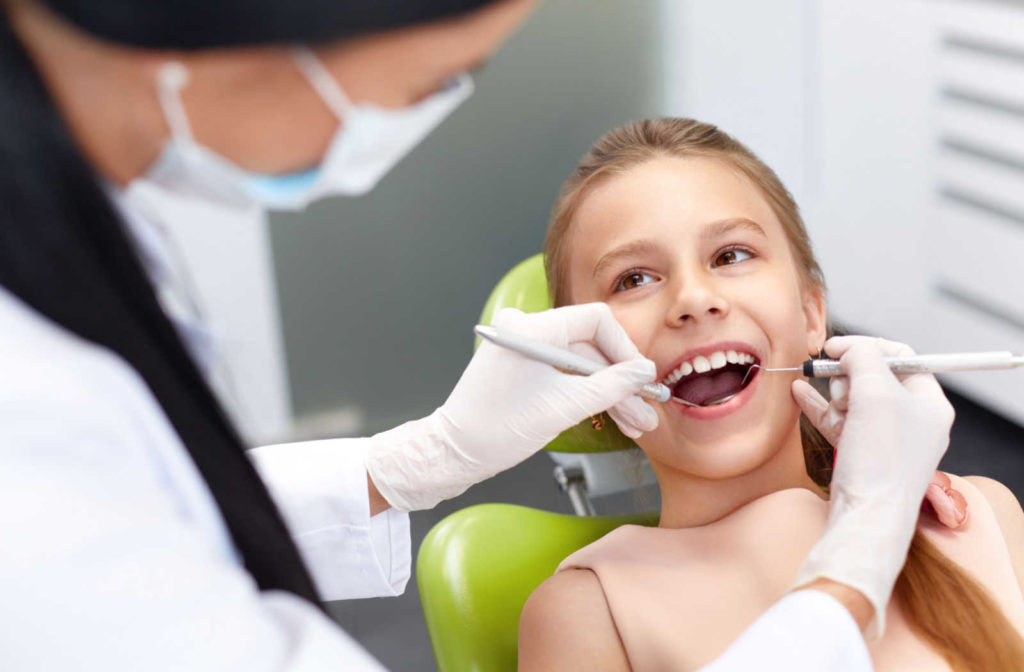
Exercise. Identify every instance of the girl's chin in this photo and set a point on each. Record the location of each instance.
(723, 458)
(727, 448)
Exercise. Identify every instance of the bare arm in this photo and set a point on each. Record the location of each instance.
(1009, 516)
(566, 625)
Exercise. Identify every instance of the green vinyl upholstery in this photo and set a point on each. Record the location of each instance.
(477, 567)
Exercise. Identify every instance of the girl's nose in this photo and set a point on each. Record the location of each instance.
(697, 300)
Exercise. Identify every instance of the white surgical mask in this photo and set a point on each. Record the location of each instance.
(369, 142)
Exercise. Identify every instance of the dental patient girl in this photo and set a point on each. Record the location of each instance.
(701, 255)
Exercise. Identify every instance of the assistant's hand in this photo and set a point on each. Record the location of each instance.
(942, 500)
(890, 439)
(506, 407)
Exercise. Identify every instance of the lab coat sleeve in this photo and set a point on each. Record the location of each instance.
(320, 488)
(806, 631)
(104, 567)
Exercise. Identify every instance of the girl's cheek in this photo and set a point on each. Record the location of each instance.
(637, 327)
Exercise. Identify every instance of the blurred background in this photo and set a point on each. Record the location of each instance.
(897, 124)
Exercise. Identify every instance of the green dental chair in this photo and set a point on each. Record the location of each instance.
(477, 567)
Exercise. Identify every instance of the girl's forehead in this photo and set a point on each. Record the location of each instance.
(671, 196)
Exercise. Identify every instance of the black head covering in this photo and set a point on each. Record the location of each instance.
(201, 24)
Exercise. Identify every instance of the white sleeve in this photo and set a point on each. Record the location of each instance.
(320, 488)
(105, 568)
(806, 631)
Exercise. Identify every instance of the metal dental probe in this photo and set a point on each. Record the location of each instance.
(812, 368)
(942, 363)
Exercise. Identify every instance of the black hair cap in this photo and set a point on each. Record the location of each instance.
(206, 24)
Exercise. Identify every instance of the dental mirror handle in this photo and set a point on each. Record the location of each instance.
(956, 361)
(559, 358)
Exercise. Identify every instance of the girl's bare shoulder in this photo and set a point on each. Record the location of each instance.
(1006, 510)
(566, 624)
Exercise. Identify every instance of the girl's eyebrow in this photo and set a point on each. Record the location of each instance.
(724, 226)
(632, 248)
(710, 231)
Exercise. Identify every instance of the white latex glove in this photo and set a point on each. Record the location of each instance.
(891, 435)
(946, 503)
(506, 407)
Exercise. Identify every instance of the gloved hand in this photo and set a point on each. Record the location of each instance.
(506, 407)
(893, 432)
(942, 500)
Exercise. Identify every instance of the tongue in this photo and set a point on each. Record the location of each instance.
(709, 386)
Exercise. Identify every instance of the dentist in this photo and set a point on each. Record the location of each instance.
(137, 531)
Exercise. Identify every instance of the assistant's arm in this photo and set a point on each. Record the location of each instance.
(343, 499)
(352, 542)
(109, 559)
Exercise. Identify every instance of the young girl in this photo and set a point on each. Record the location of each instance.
(701, 255)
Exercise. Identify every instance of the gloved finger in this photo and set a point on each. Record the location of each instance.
(611, 387)
(825, 419)
(836, 346)
(594, 322)
(590, 351)
(897, 349)
(633, 412)
(923, 385)
(636, 413)
(624, 425)
(839, 392)
(917, 384)
(506, 317)
(864, 361)
(547, 325)
(585, 322)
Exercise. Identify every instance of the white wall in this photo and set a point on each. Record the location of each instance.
(746, 67)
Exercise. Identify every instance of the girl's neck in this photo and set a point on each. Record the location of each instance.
(690, 501)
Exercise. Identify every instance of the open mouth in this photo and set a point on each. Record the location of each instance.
(709, 380)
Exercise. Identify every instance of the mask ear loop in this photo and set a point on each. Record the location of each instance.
(171, 79)
(322, 81)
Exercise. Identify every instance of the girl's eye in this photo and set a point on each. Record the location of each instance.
(733, 255)
(633, 279)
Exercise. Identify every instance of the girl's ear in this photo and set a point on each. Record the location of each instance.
(817, 322)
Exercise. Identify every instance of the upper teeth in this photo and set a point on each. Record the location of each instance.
(701, 364)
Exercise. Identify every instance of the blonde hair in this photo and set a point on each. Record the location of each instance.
(976, 634)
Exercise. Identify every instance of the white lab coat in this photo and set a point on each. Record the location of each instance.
(114, 556)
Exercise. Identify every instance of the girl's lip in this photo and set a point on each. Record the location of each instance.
(719, 410)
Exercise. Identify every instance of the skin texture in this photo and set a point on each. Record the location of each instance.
(693, 590)
(683, 294)
(736, 499)
(250, 105)
(1009, 516)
